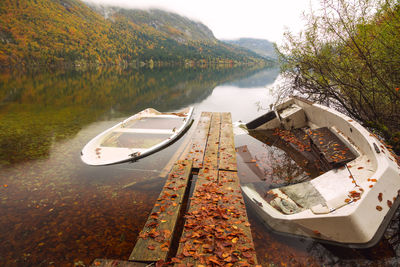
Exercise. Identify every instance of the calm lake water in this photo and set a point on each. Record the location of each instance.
(56, 211)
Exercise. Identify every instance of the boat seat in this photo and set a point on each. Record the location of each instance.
(292, 117)
(338, 202)
(332, 151)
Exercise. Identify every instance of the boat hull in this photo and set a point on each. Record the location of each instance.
(136, 137)
(341, 218)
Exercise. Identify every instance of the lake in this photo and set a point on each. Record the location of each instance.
(57, 211)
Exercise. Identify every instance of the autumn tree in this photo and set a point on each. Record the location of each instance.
(348, 56)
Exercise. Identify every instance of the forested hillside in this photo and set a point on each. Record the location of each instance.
(43, 32)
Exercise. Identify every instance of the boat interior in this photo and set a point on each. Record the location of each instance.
(322, 152)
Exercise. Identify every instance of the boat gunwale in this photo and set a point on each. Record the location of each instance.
(382, 167)
(147, 151)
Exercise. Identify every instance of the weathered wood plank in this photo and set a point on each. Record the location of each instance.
(334, 152)
(226, 118)
(217, 230)
(227, 153)
(235, 223)
(211, 153)
(199, 140)
(180, 153)
(155, 238)
(197, 240)
(116, 263)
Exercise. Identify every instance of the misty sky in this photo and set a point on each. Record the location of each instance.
(231, 19)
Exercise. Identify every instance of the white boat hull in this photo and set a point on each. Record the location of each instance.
(342, 218)
(136, 137)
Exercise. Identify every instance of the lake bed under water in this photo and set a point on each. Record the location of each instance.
(57, 211)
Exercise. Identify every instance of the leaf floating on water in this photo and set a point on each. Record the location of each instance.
(316, 232)
(379, 208)
(380, 197)
(154, 215)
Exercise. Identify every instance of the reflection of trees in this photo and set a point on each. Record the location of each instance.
(259, 78)
(124, 90)
(281, 162)
(40, 107)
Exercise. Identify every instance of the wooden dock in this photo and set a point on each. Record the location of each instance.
(210, 228)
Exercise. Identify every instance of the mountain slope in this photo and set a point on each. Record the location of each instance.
(37, 32)
(173, 25)
(260, 46)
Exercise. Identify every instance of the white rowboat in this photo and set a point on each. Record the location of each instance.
(352, 203)
(136, 137)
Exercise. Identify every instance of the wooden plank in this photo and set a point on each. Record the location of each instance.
(211, 153)
(227, 153)
(155, 238)
(116, 263)
(235, 223)
(226, 118)
(197, 240)
(217, 230)
(199, 140)
(180, 153)
(334, 151)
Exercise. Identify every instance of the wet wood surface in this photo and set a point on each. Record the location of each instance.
(216, 230)
(333, 150)
(116, 263)
(236, 224)
(227, 155)
(199, 140)
(197, 240)
(154, 240)
(212, 148)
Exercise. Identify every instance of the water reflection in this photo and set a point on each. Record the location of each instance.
(37, 109)
(257, 79)
(56, 211)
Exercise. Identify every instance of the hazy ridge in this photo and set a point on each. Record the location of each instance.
(262, 47)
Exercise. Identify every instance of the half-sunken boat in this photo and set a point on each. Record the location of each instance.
(136, 137)
(352, 200)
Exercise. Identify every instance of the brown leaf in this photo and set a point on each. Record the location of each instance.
(152, 225)
(176, 260)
